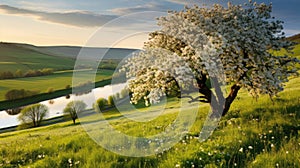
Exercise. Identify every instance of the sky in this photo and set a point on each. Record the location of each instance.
(104, 23)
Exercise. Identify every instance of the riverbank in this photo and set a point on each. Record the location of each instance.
(10, 104)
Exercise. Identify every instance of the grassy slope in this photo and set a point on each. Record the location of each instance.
(14, 57)
(296, 50)
(72, 52)
(254, 134)
(56, 81)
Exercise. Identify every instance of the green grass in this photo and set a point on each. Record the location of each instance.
(258, 133)
(296, 51)
(56, 81)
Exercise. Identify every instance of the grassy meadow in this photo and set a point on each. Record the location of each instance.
(255, 133)
(57, 81)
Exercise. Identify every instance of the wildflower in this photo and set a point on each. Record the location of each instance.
(177, 165)
(272, 145)
(241, 150)
(250, 147)
(70, 160)
(287, 152)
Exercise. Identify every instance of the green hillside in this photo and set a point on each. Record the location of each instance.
(14, 57)
(72, 52)
(296, 50)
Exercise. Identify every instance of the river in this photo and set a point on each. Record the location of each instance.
(58, 104)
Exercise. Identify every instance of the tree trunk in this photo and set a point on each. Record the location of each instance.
(74, 120)
(221, 108)
(34, 123)
(230, 98)
(218, 104)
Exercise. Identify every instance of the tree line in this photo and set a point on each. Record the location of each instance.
(30, 73)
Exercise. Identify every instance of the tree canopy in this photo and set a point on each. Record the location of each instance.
(221, 45)
(33, 114)
(73, 108)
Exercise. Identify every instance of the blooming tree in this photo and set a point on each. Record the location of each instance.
(218, 45)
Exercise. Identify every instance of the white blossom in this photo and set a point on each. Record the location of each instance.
(202, 42)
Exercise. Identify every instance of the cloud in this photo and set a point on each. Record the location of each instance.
(140, 8)
(184, 2)
(75, 18)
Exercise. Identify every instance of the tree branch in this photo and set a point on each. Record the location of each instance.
(197, 99)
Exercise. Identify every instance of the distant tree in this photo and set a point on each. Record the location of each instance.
(68, 86)
(33, 114)
(6, 75)
(124, 92)
(39, 72)
(46, 71)
(30, 73)
(19, 93)
(110, 101)
(19, 73)
(73, 108)
(117, 96)
(100, 104)
(50, 90)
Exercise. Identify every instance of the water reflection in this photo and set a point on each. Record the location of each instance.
(14, 111)
(57, 105)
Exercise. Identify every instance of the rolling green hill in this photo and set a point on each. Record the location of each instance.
(72, 52)
(14, 56)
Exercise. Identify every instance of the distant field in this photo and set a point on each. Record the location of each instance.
(56, 81)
